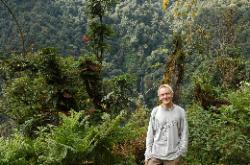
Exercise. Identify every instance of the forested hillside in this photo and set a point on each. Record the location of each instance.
(79, 78)
(46, 23)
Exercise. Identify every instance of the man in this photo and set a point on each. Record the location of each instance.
(167, 135)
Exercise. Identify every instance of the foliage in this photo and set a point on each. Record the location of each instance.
(16, 150)
(36, 87)
(221, 138)
(75, 141)
(131, 149)
(120, 93)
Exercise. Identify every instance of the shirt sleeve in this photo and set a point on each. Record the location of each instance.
(150, 137)
(182, 148)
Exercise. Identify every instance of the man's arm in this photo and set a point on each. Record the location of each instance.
(183, 135)
(150, 136)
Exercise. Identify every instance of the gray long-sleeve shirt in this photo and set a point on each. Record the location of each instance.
(167, 136)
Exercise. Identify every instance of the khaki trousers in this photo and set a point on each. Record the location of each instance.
(155, 161)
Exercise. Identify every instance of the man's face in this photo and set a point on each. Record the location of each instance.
(165, 96)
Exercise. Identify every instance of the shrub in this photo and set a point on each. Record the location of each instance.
(74, 141)
(221, 137)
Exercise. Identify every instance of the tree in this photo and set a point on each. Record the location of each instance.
(99, 32)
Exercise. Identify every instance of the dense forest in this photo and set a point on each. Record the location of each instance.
(79, 78)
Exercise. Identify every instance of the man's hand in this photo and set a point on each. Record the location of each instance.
(146, 162)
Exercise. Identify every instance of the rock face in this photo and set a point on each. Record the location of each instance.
(6, 126)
